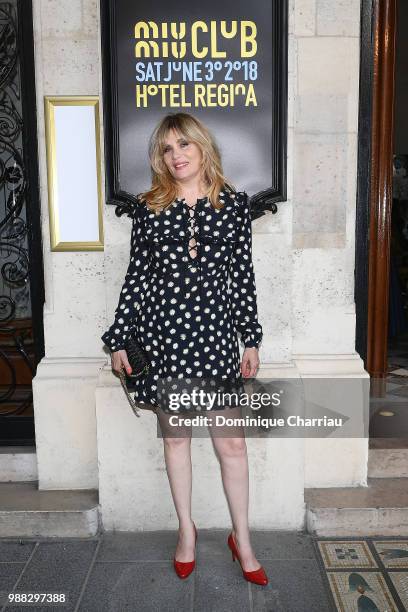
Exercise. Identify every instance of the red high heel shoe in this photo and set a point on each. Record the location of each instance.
(257, 576)
(184, 568)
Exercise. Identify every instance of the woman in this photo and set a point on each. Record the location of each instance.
(189, 289)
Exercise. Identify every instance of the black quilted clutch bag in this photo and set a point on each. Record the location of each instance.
(140, 364)
(137, 357)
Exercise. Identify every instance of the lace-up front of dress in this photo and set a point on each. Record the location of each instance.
(193, 277)
(193, 231)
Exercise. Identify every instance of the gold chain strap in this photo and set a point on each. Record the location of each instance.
(135, 408)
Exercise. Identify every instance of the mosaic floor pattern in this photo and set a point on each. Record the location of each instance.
(365, 574)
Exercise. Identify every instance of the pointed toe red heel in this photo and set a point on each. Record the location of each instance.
(184, 568)
(257, 576)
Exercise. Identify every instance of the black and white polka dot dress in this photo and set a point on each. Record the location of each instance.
(188, 291)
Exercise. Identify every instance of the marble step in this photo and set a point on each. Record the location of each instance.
(388, 463)
(18, 463)
(381, 508)
(27, 512)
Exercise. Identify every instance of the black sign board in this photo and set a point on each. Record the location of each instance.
(224, 62)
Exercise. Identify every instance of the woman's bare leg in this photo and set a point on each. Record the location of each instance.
(177, 454)
(230, 446)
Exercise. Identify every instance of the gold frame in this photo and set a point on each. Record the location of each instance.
(50, 102)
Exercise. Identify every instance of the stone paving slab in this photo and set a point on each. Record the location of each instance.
(9, 574)
(299, 585)
(54, 567)
(146, 546)
(15, 551)
(120, 587)
(220, 587)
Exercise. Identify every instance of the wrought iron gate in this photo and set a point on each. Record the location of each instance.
(21, 265)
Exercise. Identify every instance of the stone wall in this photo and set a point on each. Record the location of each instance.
(304, 266)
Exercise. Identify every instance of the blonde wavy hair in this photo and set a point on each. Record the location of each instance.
(164, 189)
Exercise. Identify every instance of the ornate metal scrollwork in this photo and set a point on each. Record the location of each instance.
(16, 364)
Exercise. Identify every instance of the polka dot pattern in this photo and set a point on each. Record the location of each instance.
(189, 288)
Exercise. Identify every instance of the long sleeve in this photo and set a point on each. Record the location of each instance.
(242, 286)
(131, 294)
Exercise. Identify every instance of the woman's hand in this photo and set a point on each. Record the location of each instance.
(119, 360)
(250, 362)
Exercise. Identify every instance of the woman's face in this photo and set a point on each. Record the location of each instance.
(182, 158)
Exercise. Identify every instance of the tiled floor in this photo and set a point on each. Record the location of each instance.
(133, 572)
(389, 414)
(369, 574)
(120, 572)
